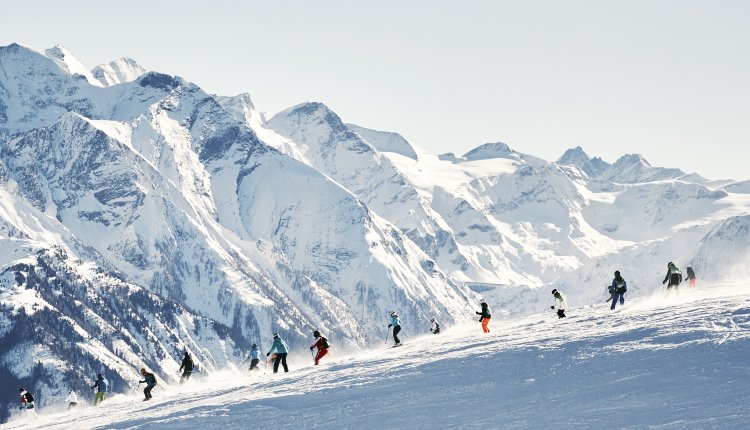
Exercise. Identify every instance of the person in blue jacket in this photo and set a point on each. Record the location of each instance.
(618, 288)
(102, 386)
(254, 357)
(281, 349)
(396, 324)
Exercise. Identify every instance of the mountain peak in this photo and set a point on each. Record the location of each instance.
(118, 71)
(70, 63)
(492, 150)
(576, 156)
(385, 141)
(632, 159)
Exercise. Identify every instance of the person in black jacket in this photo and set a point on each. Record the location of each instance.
(150, 380)
(187, 364)
(485, 317)
(618, 289)
(674, 276)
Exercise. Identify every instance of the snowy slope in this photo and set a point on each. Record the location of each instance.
(656, 363)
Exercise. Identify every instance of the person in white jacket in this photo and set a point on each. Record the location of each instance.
(434, 326)
(561, 303)
(72, 399)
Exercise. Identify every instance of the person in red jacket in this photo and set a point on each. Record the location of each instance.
(321, 344)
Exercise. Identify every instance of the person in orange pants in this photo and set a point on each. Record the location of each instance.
(321, 344)
(485, 317)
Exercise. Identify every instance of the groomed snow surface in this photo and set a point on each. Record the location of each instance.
(658, 362)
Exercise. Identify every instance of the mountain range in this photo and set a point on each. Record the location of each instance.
(141, 216)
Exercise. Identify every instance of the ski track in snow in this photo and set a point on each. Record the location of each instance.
(658, 362)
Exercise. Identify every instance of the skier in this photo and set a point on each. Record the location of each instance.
(485, 316)
(674, 276)
(281, 349)
(321, 344)
(561, 303)
(434, 326)
(618, 289)
(101, 386)
(72, 399)
(150, 380)
(187, 364)
(396, 324)
(27, 401)
(691, 276)
(254, 357)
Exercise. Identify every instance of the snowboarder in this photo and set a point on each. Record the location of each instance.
(618, 289)
(254, 357)
(321, 344)
(187, 364)
(150, 380)
(27, 401)
(281, 349)
(485, 316)
(102, 386)
(396, 324)
(72, 399)
(561, 303)
(434, 326)
(674, 276)
(691, 276)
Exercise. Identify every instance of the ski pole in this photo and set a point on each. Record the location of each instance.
(387, 333)
(313, 355)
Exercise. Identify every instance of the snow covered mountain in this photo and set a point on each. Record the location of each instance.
(152, 217)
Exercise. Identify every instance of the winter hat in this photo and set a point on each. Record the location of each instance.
(98, 376)
(617, 273)
(393, 313)
(21, 390)
(316, 333)
(554, 291)
(275, 335)
(432, 319)
(143, 370)
(254, 346)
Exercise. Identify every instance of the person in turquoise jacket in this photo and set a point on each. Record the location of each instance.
(396, 324)
(281, 349)
(254, 357)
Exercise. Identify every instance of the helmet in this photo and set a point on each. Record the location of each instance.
(21, 390)
(617, 273)
(316, 333)
(393, 313)
(143, 370)
(432, 319)
(98, 376)
(554, 291)
(670, 264)
(254, 346)
(275, 335)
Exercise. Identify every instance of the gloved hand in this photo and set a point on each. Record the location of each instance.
(552, 307)
(389, 325)
(268, 354)
(311, 348)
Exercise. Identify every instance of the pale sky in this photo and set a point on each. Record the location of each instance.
(668, 79)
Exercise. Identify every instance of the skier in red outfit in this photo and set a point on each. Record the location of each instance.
(321, 344)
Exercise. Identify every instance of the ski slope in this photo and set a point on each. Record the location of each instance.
(658, 362)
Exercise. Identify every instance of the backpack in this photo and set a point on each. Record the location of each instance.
(29, 398)
(325, 344)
